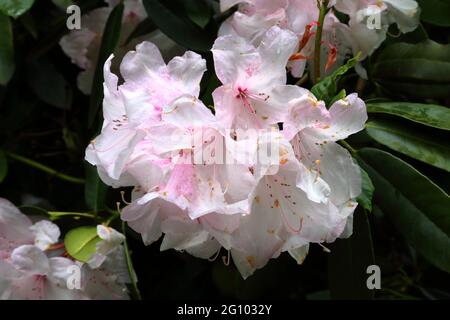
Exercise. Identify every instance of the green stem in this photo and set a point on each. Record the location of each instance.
(44, 168)
(347, 146)
(133, 279)
(323, 10)
(55, 215)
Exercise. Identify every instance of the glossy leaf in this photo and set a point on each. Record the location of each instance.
(110, 40)
(416, 70)
(81, 243)
(179, 29)
(198, 11)
(426, 114)
(15, 8)
(94, 190)
(412, 142)
(349, 259)
(7, 64)
(416, 206)
(365, 198)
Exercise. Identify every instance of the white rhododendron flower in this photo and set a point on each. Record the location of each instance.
(83, 46)
(34, 266)
(232, 179)
(365, 31)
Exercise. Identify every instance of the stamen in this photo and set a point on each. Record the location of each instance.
(122, 194)
(324, 248)
(226, 260)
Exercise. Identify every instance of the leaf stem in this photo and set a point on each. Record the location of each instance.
(55, 215)
(347, 146)
(44, 168)
(323, 10)
(133, 279)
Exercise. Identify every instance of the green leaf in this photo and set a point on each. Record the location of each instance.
(365, 198)
(145, 27)
(411, 141)
(416, 206)
(49, 84)
(110, 40)
(30, 210)
(348, 262)
(414, 70)
(7, 64)
(3, 165)
(427, 114)
(198, 11)
(180, 29)
(436, 12)
(15, 8)
(81, 243)
(326, 89)
(94, 190)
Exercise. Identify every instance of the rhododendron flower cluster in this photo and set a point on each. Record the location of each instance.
(260, 175)
(34, 265)
(366, 29)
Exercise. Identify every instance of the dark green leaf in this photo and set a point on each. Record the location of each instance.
(417, 207)
(349, 259)
(435, 12)
(49, 84)
(411, 141)
(3, 166)
(7, 64)
(198, 11)
(415, 70)
(15, 8)
(81, 243)
(110, 40)
(179, 29)
(326, 89)
(30, 210)
(365, 198)
(145, 27)
(426, 114)
(94, 190)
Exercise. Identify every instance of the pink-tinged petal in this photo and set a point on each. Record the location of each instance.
(110, 241)
(347, 116)
(305, 111)
(256, 240)
(253, 27)
(136, 65)
(101, 284)
(187, 112)
(366, 40)
(30, 259)
(146, 219)
(14, 227)
(112, 148)
(276, 47)
(182, 233)
(113, 107)
(46, 233)
(221, 227)
(234, 59)
(75, 46)
(187, 71)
